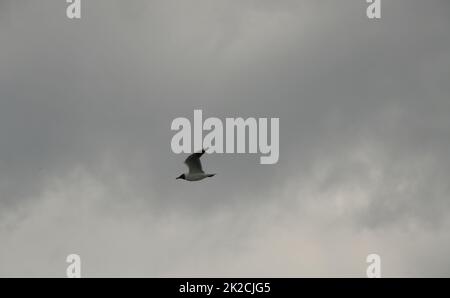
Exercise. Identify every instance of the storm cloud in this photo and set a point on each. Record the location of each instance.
(86, 165)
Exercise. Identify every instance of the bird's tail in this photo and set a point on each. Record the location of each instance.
(211, 175)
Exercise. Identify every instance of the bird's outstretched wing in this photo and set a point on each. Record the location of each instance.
(193, 162)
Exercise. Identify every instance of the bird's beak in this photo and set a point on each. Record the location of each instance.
(179, 177)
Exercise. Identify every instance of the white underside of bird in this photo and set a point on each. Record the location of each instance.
(196, 172)
(197, 176)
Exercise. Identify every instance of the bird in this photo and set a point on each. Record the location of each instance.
(195, 168)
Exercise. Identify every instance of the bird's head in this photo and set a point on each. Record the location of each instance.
(182, 176)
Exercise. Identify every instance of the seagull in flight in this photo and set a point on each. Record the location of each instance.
(195, 168)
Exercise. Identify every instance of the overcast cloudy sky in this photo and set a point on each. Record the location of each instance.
(86, 165)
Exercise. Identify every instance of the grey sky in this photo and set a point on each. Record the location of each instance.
(85, 159)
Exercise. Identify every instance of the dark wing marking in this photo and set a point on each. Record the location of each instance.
(193, 162)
